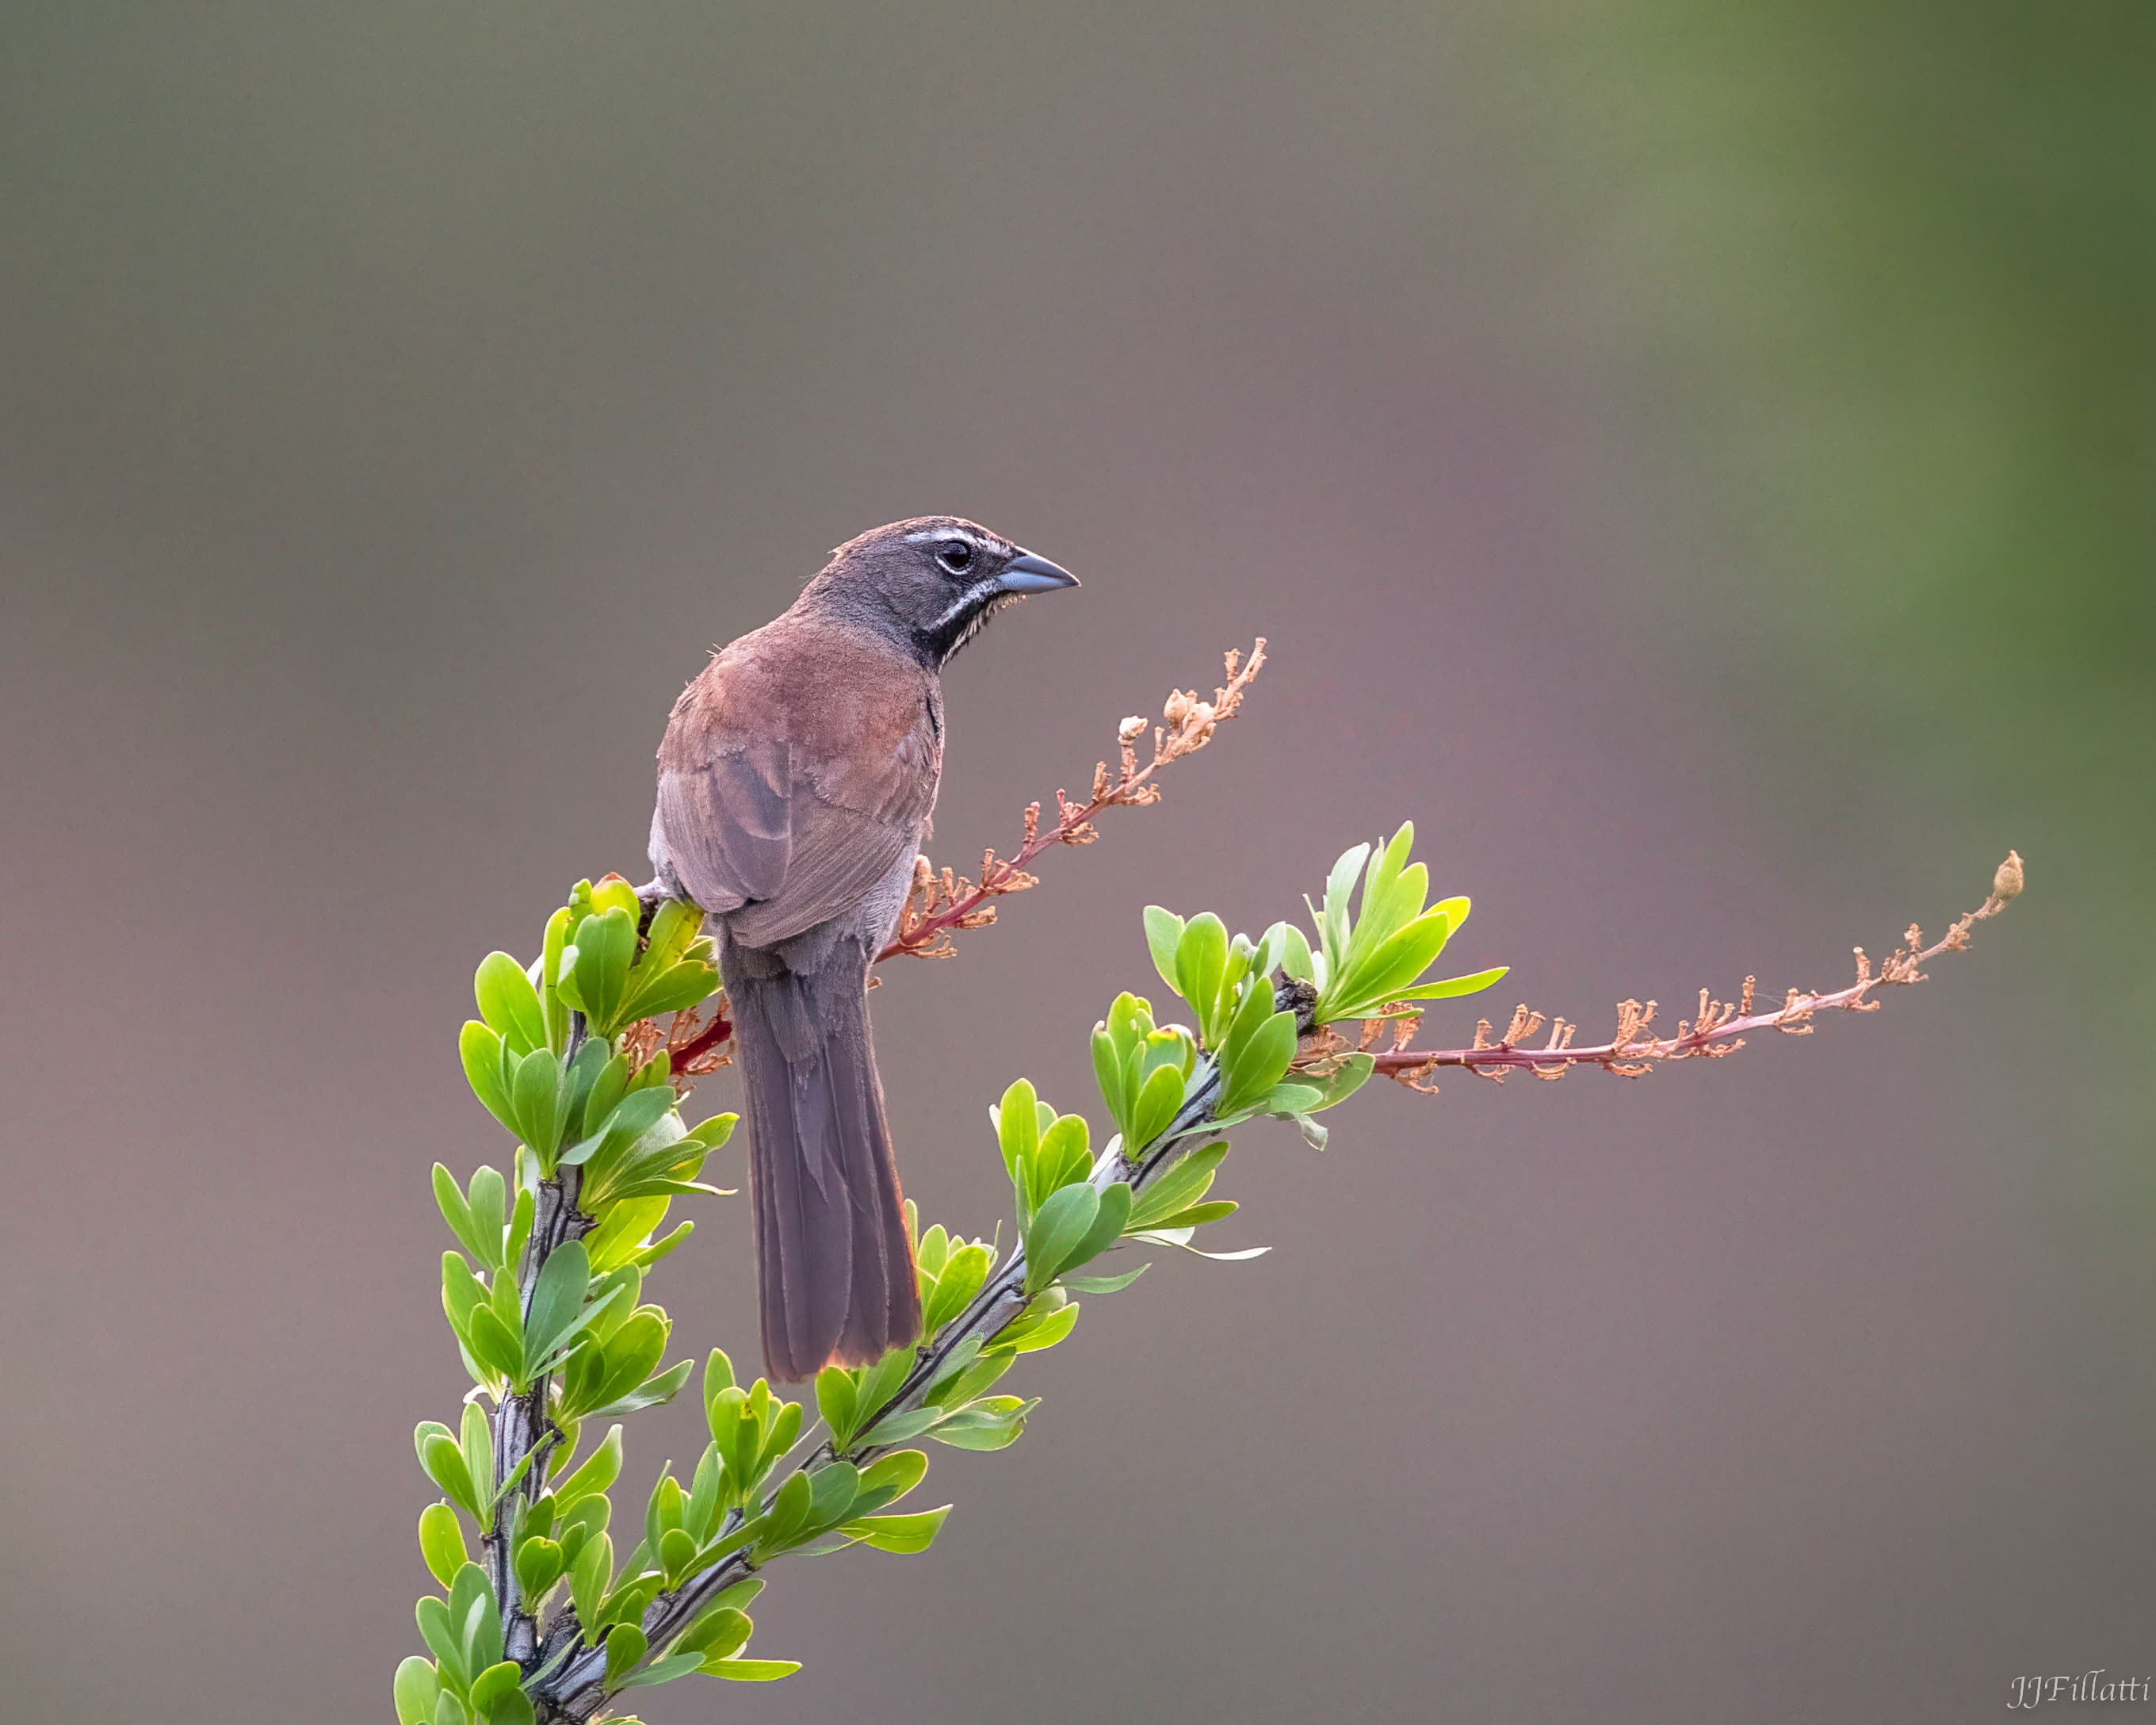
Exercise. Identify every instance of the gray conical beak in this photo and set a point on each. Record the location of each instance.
(1028, 573)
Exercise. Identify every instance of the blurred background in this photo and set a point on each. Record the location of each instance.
(1694, 460)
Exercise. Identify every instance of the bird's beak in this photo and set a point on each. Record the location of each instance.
(1028, 573)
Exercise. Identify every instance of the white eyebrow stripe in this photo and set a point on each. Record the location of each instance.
(972, 595)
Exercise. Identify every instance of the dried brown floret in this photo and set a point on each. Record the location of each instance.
(1718, 1030)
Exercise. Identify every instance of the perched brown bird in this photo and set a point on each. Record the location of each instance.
(795, 784)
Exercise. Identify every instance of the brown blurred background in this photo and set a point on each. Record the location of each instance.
(1694, 460)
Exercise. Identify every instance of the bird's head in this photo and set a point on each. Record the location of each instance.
(932, 580)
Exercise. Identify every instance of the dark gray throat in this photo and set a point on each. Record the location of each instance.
(937, 646)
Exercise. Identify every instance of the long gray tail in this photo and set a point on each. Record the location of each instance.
(835, 1272)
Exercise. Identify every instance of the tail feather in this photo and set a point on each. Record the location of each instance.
(835, 1270)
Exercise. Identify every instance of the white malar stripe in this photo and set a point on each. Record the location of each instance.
(973, 596)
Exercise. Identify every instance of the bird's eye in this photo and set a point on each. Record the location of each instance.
(956, 556)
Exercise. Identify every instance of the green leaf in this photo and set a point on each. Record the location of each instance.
(609, 1085)
(674, 989)
(930, 1249)
(629, 1120)
(1108, 1074)
(1286, 1101)
(444, 1463)
(540, 1096)
(597, 978)
(1157, 1101)
(880, 1382)
(589, 1578)
(897, 1428)
(1050, 1329)
(1253, 1006)
(599, 1471)
(1107, 1227)
(557, 1294)
(720, 1633)
(1164, 932)
(964, 1272)
(519, 1228)
(994, 1422)
(1058, 1227)
(1103, 1284)
(481, 1052)
(1198, 1215)
(674, 927)
(966, 1374)
(1017, 1130)
(895, 1474)
(626, 1603)
(789, 1512)
(1379, 975)
(516, 1708)
(832, 1488)
(539, 1566)
(1340, 884)
(835, 1399)
(489, 1213)
(443, 1642)
(626, 1645)
(462, 1293)
(1186, 1180)
(752, 1671)
(1452, 987)
(578, 1523)
(905, 1533)
(631, 1351)
(1337, 1086)
(646, 1257)
(475, 1617)
(550, 971)
(417, 1692)
(677, 1552)
(664, 1670)
(509, 1003)
(1296, 956)
(1259, 1065)
(442, 1543)
(490, 1686)
(1201, 956)
(449, 1199)
(1064, 1156)
(598, 1317)
(494, 1344)
(649, 1394)
(699, 1515)
(666, 1509)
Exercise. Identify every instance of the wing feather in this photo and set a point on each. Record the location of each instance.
(794, 818)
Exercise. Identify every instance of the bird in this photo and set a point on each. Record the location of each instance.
(796, 780)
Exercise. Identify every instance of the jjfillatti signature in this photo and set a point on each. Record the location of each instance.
(2033, 1692)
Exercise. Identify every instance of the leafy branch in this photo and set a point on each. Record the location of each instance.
(549, 1623)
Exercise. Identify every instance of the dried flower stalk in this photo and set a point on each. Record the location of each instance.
(942, 901)
(1718, 1027)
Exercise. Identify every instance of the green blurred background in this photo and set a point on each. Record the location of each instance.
(1696, 460)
